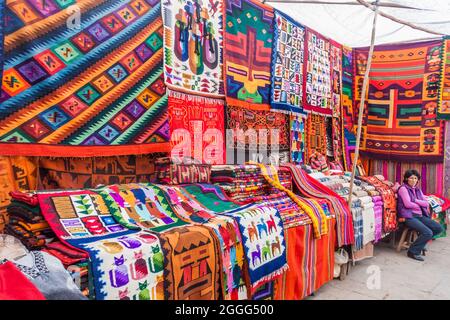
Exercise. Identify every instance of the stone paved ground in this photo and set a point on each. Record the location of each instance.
(400, 277)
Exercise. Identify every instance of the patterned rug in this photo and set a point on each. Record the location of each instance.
(287, 64)
(297, 138)
(247, 53)
(347, 112)
(266, 135)
(83, 91)
(336, 77)
(444, 106)
(400, 119)
(197, 127)
(317, 92)
(193, 35)
(316, 135)
(263, 239)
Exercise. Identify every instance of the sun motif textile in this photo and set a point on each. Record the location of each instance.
(97, 88)
(197, 127)
(247, 53)
(262, 135)
(127, 267)
(317, 92)
(297, 138)
(400, 118)
(263, 238)
(193, 36)
(287, 64)
(191, 264)
(444, 107)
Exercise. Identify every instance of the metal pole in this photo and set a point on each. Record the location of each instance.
(363, 98)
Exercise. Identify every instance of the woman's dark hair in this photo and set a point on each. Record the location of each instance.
(410, 173)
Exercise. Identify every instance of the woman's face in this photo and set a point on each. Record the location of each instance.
(412, 181)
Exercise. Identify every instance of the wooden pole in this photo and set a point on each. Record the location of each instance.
(361, 106)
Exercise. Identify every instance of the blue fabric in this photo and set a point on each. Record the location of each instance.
(426, 227)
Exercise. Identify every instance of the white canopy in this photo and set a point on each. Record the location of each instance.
(350, 22)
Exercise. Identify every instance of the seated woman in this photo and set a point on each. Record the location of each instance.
(412, 205)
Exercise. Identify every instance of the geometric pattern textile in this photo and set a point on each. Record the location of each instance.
(316, 137)
(297, 123)
(193, 33)
(247, 53)
(287, 65)
(96, 88)
(347, 115)
(403, 95)
(446, 191)
(444, 107)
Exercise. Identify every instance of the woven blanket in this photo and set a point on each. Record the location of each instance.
(400, 119)
(297, 138)
(191, 264)
(197, 127)
(257, 135)
(336, 77)
(316, 135)
(263, 239)
(444, 106)
(142, 205)
(247, 53)
(317, 87)
(193, 35)
(87, 89)
(347, 112)
(446, 169)
(287, 64)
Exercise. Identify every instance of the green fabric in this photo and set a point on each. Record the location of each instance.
(208, 195)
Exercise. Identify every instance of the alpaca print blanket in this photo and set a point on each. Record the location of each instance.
(193, 36)
(197, 127)
(263, 239)
(83, 87)
(444, 106)
(247, 54)
(317, 87)
(287, 65)
(400, 118)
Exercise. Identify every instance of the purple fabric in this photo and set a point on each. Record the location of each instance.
(406, 202)
(424, 176)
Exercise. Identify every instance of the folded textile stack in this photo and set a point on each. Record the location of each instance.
(80, 275)
(439, 206)
(27, 223)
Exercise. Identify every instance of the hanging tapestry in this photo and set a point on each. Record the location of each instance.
(127, 268)
(347, 114)
(444, 107)
(263, 239)
(287, 64)
(16, 173)
(316, 135)
(82, 173)
(297, 138)
(260, 136)
(336, 140)
(317, 87)
(197, 127)
(399, 120)
(93, 88)
(247, 53)
(191, 264)
(336, 77)
(446, 191)
(193, 35)
(143, 205)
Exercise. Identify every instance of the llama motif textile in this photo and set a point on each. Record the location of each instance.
(444, 107)
(97, 88)
(193, 35)
(127, 267)
(197, 127)
(247, 53)
(317, 92)
(191, 264)
(400, 121)
(287, 64)
(263, 238)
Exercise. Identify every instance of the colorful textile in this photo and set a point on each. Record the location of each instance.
(444, 106)
(211, 197)
(446, 169)
(400, 118)
(79, 173)
(128, 267)
(247, 53)
(193, 35)
(336, 141)
(141, 205)
(347, 113)
(336, 77)
(316, 135)
(15, 285)
(317, 88)
(258, 135)
(186, 171)
(191, 264)
(263, 239)
(83, 91)
(297, 138)
(287, 64)
(197, 127)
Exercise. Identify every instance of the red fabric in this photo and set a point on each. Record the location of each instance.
(14, 285)
(28, 198)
